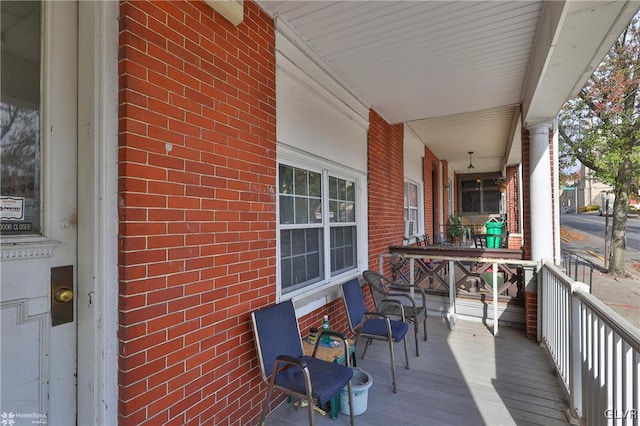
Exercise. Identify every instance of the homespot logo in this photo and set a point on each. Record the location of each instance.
(11, 418)
(628, 414)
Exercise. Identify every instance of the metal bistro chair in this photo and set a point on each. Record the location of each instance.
(385, 294)
(372, 325)
(285, 367)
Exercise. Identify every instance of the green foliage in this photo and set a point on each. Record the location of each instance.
(601, 129)
(601, 126)
(455, 228)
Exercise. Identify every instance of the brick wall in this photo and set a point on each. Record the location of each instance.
(431, 185)
(197, 210)
(512, 208)
(385, 185)
(530, 298)
(526, 194)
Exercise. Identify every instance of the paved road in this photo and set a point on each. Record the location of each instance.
(593, 226)
(587, 239)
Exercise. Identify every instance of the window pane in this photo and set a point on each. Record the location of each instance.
(469, 184)
(351, 192)
(298, 244)
(312, 240)
(286, 209)
(301, 182)
(299, 269)
(333, 211)
(285, 272)
(343, 249)
(301, 261)
(313, 266)
(302, 210)
(343, 211)
(286, 179)
(315, 184)
(470, 202)
(351, 212)
(285, 244)
(20, 118)
(488, 183)
(341, 200)
(491, 202)
(315, 210)
(342, 189)
(413, 195)
(333, 188)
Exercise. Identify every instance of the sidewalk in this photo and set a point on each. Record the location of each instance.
(621, 294)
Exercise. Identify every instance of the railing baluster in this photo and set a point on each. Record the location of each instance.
(600, 367)
(494, 277)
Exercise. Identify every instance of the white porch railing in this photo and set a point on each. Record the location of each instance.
(596, 352)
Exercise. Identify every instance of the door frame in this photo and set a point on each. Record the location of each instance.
(97, 294)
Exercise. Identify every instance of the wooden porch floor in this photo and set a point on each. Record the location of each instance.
(462, 377)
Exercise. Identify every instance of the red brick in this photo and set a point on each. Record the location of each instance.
(189, 78)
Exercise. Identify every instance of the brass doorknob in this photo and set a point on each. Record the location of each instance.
(63, 295)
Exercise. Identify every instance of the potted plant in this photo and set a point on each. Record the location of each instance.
(455, 228)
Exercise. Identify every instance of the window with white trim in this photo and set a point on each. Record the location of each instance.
(317, 225)
(479, 194)
(412, 208)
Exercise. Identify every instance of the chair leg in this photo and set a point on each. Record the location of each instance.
(393, 364)
(424, 324)
(406, 353)
(265, 410)
(415, 331)
(366, 346)
(310, 407)
(350, 402)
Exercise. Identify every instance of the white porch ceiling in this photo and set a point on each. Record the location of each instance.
(456, 71)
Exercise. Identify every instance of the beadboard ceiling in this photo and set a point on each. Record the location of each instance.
(457, 72)
(453, 70)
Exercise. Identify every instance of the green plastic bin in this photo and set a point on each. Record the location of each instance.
(494, 234)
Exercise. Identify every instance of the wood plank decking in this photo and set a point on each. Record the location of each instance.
(462, 377)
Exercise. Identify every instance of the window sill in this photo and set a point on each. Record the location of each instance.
(318, 297)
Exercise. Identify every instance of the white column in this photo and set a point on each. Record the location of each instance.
(541, 213)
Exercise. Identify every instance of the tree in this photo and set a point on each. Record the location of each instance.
(601, 129)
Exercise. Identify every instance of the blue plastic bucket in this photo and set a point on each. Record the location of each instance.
(360, 384)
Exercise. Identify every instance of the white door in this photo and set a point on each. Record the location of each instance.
(38, 160)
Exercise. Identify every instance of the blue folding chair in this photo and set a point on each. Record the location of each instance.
(285, 367)
(372, 325)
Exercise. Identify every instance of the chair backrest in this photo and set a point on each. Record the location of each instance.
(276, 332)
(379, 285)
(353, 302)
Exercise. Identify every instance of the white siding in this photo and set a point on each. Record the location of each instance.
(413, 154)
